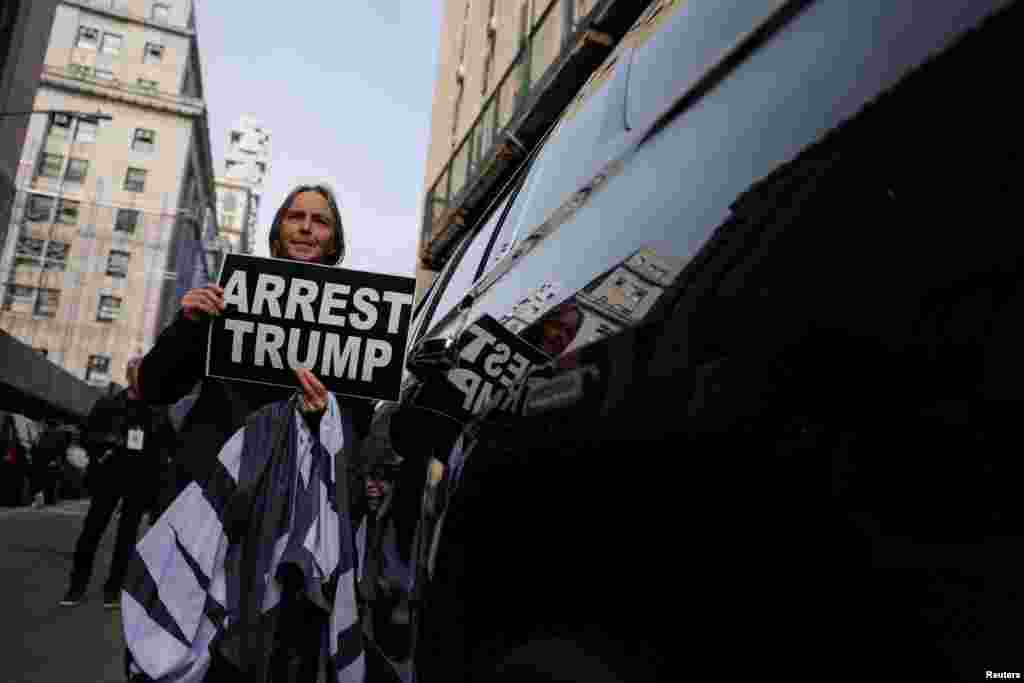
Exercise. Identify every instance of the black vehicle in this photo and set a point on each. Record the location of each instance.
(15, 462)
(788, 231)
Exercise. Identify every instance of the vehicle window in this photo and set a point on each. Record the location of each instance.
(421, 322)
(424, 314)
(669, 194)
(425, 298)
(463, 276)
(417, 314)
(590, 131)
(676, 41)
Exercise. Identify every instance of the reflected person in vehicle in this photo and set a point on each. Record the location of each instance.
(557, 329)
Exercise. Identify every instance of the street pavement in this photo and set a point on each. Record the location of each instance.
(40, 641)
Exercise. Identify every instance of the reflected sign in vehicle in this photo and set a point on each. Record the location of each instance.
(349, 327)
(492, 362)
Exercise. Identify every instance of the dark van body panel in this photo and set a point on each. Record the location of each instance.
(844, 200)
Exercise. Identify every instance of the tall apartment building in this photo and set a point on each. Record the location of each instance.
(506, 69)
(235, 203)
(24, 28)
(248, 160)
(112, 220)
(246, 165)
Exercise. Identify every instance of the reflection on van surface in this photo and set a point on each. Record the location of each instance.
(766, 234)
(609, 192)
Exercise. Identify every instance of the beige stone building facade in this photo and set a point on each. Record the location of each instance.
(235, 205)
(112, 220)
(492, 53)
(240, 186)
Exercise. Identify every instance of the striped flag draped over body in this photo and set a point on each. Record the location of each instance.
(201, 573)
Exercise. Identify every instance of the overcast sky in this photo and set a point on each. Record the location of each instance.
(345, 89)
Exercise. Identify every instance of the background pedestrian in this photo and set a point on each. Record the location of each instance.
(123, 437)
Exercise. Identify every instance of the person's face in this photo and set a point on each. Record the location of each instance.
(377, 491)
(307, 229)
(559, 330)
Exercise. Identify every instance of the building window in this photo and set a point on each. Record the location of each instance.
(455, 115)
(86, 131)
(135, 180)
(50, 165)
(117, 264)
(489, 54)
(60, 127)
(104, 74)
(56, 255)
(29, 246)
(261, 167)
(67, 213)
(25, 266)
(18, 298)
(126, 221)
(147, 84)
(98, 369)
(144, 140)
(153, 54)
(110, 308)
(28, 253)
(47, 301)
(236, 137)
(38, 207)
(88, 37)
(488, 66)
(78, 169)
(111, 44)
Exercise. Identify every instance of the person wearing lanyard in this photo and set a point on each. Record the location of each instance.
(123, 435)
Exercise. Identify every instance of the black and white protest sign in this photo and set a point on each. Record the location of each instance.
(492, 361)
(347, 326)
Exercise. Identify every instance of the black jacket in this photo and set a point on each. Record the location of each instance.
(171, 370)
(119, 428)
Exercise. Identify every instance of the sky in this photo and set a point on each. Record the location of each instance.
(345, 90)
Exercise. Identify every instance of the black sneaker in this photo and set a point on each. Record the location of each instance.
(73, 597)
(112, 599)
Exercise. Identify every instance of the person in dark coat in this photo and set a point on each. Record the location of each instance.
(47, 460)
(384, 541)
(307, 227)
(123, 437)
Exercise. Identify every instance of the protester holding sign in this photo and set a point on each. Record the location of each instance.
(308, 228)
(263, 532)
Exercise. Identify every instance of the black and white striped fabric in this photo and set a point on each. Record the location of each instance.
(181, 591)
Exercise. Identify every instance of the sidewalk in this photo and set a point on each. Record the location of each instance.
(43, 642)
